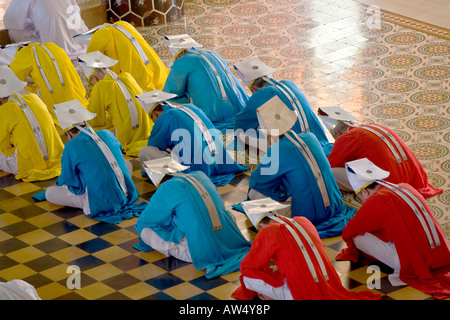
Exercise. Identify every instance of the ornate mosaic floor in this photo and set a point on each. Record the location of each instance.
(397, 74)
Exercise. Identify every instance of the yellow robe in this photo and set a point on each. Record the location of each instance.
(24, 65)
(108, 102)
(116, 45)
(16, 133)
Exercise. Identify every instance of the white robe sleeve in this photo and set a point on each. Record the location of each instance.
(58, 22)
(16, 15)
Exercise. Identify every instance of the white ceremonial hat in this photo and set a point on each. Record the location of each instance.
(9, 51)
(252, 69)
(85, 37)
(179, 42)
(363, 172)
(72, 113)
(157, 169)
(149, 100)
(97, 60)
(256, 210)
(9, 83)
(275, 115)
(330, 116)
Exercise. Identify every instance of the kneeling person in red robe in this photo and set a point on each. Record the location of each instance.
(303, 270)
(379, 144)
(396, 226)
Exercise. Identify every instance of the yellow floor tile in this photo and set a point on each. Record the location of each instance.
(48, 206)
(22, 188)
(77, 236)
(26, 254)
(13, 204)
(331, 253)
(183, 291)
(57, 273)
(146, 272)
(103, 272)
(139, 290)
(225, 189)
(7, 219)
(35, 237)
(150, 256)
(232, 276)
(19, 271)
(408, 293)
(82, 221)
(4, 236)
(120, 236)
(95, 291)
(69, 254)
(52, 291)
(111, 254)
(3, 173)
(330, 241)
(44, 220)
(128, 223)
(224, 292)
(144, 186)
(188, 272)
(364, 288)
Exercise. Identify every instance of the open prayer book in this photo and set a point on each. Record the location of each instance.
(256, 210)
(158, 168)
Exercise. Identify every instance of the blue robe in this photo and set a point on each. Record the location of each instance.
(293, 177)
(85, 166)
(192, 77)
(176, 131)
(177, 210)
(247, 118)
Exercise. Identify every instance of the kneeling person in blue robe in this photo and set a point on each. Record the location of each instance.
(94, 176)
(186, 219)
(203, 76)
(295, 167)
(187, 133)
(255, 74)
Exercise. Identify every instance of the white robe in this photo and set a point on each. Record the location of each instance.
(18, 290)
(46, 21)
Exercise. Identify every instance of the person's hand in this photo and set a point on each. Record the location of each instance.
(263, 297)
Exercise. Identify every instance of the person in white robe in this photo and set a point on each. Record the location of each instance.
(46, 21)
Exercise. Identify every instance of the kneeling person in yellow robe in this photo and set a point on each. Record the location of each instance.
(30, 147)
(122, 42)
(113, 100)
(52, 71)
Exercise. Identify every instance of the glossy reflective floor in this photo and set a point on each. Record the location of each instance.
(384, 68)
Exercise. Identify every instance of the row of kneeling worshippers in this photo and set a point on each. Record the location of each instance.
(172, 121)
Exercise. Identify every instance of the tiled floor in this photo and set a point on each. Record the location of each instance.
(396, 74)
(435, 12)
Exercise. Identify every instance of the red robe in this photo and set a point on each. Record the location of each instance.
(274, 242)
(390, 218)
(359, 143)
